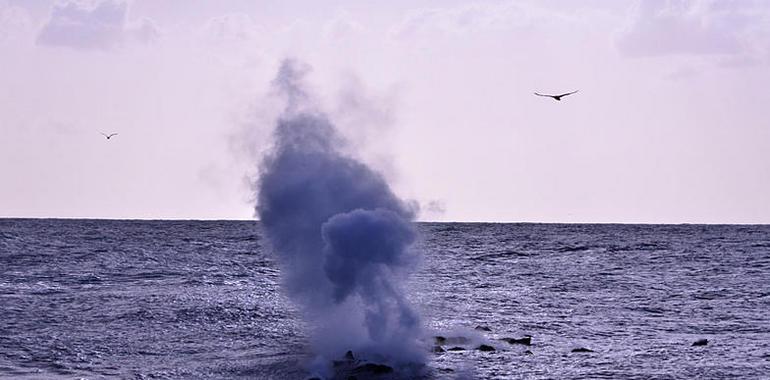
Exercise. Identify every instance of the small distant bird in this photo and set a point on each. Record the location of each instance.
(557, 97)
(108, 136)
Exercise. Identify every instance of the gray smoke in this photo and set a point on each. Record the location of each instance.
(341, 236)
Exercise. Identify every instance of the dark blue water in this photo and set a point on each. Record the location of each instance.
(99, 299)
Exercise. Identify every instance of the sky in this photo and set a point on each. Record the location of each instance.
(670, 124)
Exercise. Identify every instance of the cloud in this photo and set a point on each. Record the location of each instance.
(698, 28)
(475, 17)
(14, 22)
(143, 30)
(234, 27)
(96, 25)
(341, 27)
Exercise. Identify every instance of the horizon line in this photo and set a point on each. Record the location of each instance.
(416, 221)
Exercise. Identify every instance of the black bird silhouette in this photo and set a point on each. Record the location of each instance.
(557, 97)
(108, 136)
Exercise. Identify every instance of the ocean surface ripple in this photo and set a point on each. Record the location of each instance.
(103, 299)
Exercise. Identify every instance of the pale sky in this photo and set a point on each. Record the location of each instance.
(670, 125)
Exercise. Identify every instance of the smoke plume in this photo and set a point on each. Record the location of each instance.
(341, 236)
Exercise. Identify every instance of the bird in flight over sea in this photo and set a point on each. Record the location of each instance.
(108, 136)
(557, 97)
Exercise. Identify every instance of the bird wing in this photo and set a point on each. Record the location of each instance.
(568, 93)
(112, 134)
(548, 96)
(102, 133)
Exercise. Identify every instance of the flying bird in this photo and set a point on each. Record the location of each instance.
(108, 136)
(557, 97)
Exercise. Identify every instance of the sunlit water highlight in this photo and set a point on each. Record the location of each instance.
(201, 300)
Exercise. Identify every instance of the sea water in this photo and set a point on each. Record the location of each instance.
(103, 299)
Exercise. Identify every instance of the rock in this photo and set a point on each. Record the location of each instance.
(438, 349)
(527, 340)
(582, 349)
(372, 368)
(528, 352)
(701, 342)
(456, 349)
(352, 378)
(440, 339)
(483, 328)
(485, 347)
(347, 360)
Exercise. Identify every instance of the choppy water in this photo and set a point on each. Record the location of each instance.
(201, 300)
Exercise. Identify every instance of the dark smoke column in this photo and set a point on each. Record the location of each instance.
(340, 234)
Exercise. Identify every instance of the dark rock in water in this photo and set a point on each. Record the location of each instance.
(372, 368)
(440, 339)
(352, 369)
(483, 328)
(456, 349)
(348, 360)
(438, 349)
(701, 342)
(527, 340)
(582, 349)
(485, 347)
(528, 352)
(314, 378)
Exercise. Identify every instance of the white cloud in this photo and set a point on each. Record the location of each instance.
(476, 17)
(699, 28)
(14, 22)
(233, 40)
(94, 25)
(144, 30)
(342, 26)
(234, 27)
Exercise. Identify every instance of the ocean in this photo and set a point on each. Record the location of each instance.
(112, 299)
